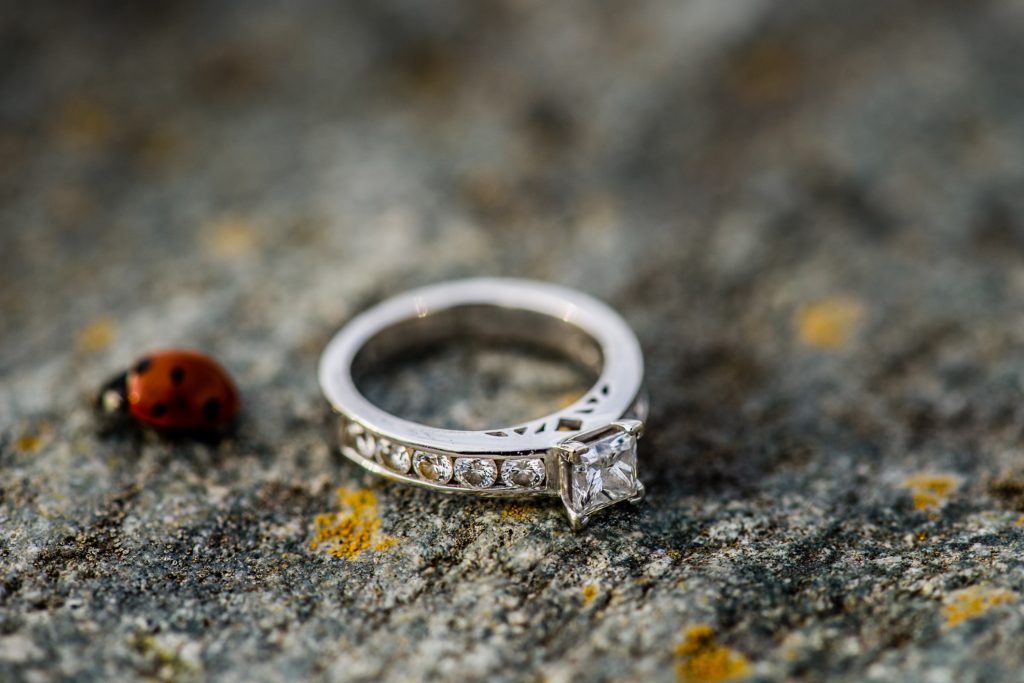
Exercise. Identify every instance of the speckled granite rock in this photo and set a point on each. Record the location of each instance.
(810, 211)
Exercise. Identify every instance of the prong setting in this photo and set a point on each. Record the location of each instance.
(572, 451)
(576, 521)
(638, 493)
(630, 426)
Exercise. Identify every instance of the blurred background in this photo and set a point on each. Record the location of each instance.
(273, 162)
(812, 212)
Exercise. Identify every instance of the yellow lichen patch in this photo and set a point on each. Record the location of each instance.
(974, 601)
(159, 148)
(701, 659)
(764, 73)
(1020, 521)
(170, 662)
(589, 593)
(28, 443)
(385, 543)
(31, 440)
(229, 237)
(830, 323)
(352, 530)
(518, 512)
(83, 123)
(930, 491)
(97, 335)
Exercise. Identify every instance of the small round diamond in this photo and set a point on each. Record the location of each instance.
(432, 467)
(527, 473)
(477, 473)
(394, 456)
(364, 442)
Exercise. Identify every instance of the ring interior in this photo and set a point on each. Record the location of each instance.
(485, 323)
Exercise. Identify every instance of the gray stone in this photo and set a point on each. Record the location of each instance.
(811, 212)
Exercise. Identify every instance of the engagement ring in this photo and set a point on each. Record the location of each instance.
(585, 453)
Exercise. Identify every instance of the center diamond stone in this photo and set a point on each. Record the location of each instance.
(604, 474)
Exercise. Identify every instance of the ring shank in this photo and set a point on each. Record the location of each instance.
(509, 310)
(482, 322)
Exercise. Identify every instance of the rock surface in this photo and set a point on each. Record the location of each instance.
(811, 212)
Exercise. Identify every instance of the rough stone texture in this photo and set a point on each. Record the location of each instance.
(810, 211)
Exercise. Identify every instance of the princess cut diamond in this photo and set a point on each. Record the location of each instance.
(599, 472)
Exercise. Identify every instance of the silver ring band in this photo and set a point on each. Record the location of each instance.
(585, 453)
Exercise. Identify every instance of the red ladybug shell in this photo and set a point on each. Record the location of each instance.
(179, 389)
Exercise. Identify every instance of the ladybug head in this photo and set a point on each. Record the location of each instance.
(113, 397)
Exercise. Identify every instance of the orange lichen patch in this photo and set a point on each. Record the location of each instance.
(353, 529)
(974, 601)
(930, 491)
(97, 335)
(701, 659)
(589, 593)
(518, 512)
(83, 123)
(229, 237)
(830, 323)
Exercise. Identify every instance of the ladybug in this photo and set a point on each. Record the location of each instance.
(173, 389)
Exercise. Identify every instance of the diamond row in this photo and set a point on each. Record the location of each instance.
(437, 468)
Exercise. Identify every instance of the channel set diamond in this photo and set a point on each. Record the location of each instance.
(394, 456)
(527, 473)
(363, 441)
(433, 467)
(477, 473)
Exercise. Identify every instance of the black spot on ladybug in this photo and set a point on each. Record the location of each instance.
(211, 409)
(177, 375)
(143, 365)
(159, 410)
